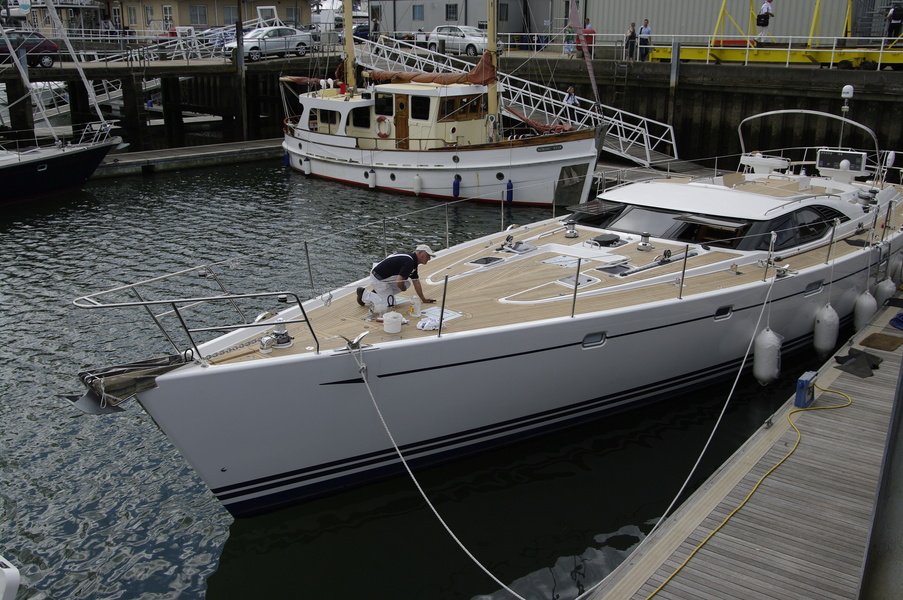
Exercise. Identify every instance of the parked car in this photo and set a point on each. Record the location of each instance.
(267, 41)
(458, 39)
(39, 51)
(313, 29)
(358, 30)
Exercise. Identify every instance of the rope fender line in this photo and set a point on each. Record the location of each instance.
(356, 353)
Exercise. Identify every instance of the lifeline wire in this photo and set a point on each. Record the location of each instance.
(362, 368)
(799, 437)
(711, 435)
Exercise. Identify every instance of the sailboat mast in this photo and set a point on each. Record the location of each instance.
(347, 16)
(493, 49)
(58, 25)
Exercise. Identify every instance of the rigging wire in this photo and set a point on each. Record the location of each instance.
(356, 353)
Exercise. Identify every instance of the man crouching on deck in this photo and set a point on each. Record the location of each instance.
(391, 275)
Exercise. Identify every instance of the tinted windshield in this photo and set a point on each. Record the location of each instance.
(642, 220)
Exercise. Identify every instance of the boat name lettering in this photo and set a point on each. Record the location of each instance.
(549, 148)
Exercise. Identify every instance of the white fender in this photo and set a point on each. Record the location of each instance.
(371, 181)
(864, 310)
(418, 184)
(824, 333)
(884, 291)
(767, 356)
(305, 166)
(895, 268)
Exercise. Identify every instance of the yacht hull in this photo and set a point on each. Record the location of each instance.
(264, 435)
(26, 175)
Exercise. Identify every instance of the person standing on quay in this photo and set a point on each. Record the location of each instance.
(630, 42)
(645, 39)
(894, 20)
(588, 34)
(766, 14)
(570, 36)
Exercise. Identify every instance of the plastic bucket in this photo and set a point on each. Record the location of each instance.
(392, 322)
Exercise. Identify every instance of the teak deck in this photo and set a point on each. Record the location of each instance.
(804, 533)
(527, 290)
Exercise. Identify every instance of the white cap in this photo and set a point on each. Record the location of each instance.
(425, 248)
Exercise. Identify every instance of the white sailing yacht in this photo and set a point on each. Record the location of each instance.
(437, 135)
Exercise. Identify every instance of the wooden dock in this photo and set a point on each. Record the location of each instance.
(804, 531)
(171, 159)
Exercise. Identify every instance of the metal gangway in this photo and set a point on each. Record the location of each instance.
(630, 136)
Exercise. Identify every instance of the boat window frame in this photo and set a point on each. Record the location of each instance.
(362, 112)
(384, 104)
(417, 110)
(471, 107)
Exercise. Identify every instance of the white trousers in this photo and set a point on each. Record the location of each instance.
(384, 291)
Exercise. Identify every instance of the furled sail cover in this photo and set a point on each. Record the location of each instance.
(482, 74)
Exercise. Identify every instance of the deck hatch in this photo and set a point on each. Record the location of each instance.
(615, 269)
(561, 260)
(582, 281)
(486, 260)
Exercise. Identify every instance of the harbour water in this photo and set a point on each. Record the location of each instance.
(105, 507)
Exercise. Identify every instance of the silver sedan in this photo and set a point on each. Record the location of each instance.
(266, 41)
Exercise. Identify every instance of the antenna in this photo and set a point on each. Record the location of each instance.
(846, 93)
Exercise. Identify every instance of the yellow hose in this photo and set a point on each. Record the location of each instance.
(758, 483)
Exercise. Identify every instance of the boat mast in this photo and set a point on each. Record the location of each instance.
(23, 74)
(58, 26)
(493, 49)
(350, 62)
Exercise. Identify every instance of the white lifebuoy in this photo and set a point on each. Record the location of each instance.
(381, 131)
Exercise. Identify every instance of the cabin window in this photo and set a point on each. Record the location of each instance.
(451, 12)
(449, 109)
(812, 225)
(329, 116)
(384, 104)
(420, 107)
(785, 234)
(463, 108)
(643, 220)
(360, 117)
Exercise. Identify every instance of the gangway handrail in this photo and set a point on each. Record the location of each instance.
(629, 130)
